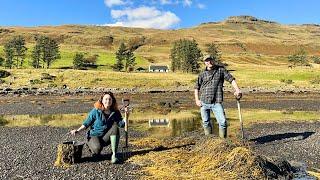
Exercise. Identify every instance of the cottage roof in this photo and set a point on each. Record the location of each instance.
(158, 67)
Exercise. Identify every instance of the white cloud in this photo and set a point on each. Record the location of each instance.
(165, 2)
(201, 6)
(144, 17)
(111, 3)
(187, 3)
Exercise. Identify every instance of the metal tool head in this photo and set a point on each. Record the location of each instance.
(239, 97)
(125, 102)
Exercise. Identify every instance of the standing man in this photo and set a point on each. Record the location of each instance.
(210, 85)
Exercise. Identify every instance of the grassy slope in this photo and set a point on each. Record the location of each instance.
(256, 50)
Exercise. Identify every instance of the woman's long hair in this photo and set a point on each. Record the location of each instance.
(114, 105)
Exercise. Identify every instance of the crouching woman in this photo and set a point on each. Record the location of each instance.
(104, 121)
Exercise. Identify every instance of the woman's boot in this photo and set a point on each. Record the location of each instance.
(114, 139)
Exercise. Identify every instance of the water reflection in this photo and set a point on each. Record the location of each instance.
(57, 120)
(185, 125)
(176, 127)
(172, 124)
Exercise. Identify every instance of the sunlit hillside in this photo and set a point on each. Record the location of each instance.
(257, 51)
(235, 36)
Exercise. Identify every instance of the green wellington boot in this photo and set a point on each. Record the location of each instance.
(207, 130)
(223, 133)
(114, 139)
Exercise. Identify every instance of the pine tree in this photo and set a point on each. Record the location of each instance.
(124, 59)
(130, 61)
(36, 56)
(174, 55)
(120, 57)
(9, 55)
(20, 50)
(15, 51)
(185, 56)
(45, 52)
(51, 51)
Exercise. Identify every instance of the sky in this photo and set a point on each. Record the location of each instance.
(159, 14)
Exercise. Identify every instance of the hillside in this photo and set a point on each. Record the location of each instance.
(255, 49)
(236, 35)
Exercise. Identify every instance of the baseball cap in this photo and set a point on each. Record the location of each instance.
(207, 58)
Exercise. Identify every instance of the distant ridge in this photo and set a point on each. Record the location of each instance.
(247, 19)
(243, 19)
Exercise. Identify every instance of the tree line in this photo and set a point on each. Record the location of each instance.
(45, 51)
(185, 55)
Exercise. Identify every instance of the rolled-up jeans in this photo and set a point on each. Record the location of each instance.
(218, 111)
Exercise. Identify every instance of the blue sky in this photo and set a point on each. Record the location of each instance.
(162, 14)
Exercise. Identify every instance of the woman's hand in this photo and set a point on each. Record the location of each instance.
(126, 110)
(73, 132)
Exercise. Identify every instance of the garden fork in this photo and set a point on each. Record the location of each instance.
(125, 151)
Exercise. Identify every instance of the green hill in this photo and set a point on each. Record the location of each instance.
(247, 44)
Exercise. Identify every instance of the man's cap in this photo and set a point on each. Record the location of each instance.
(207, 58)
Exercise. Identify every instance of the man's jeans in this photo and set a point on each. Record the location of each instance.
(218, 111)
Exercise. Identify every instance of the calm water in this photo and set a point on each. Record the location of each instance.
(171, 127)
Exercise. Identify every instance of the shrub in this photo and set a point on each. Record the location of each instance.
(96, 80)
(52, 85)
(287, 81)
(35, 81)
(1, 61)
(299, 58)
(287, 111)
(316, 59)
(82, 62)
(177, 83)
(3, 121)
(4, 74)
(47, 76)
(106, 41)
(315, 80)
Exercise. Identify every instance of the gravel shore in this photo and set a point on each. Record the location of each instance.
(29, 153)
(294, 141)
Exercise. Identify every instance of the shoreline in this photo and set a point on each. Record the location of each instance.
(31, 91)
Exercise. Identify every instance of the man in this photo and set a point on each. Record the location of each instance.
(210, 85)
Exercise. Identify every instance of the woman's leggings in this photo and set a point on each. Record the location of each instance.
(96, 143)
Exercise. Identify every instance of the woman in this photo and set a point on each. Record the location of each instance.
(104, 121)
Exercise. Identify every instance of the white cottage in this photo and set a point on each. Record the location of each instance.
(155, 68)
